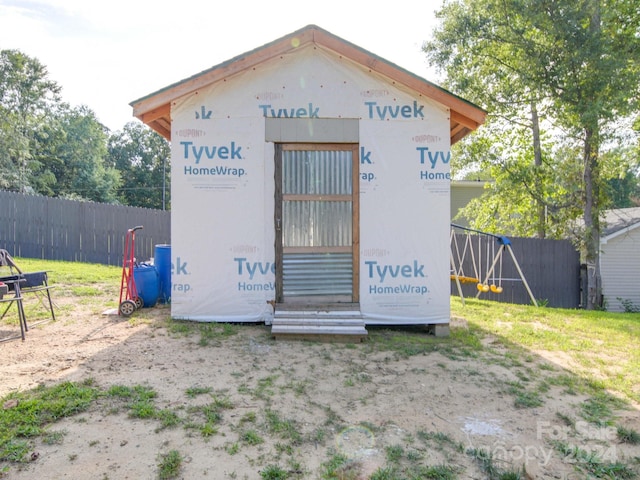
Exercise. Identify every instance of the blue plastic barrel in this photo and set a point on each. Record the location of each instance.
(147, 284)
(163, 265)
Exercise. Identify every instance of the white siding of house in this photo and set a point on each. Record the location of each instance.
(462, 192)
(620, 268)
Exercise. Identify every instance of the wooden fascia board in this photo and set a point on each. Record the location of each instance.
(474, 115)
(222, 71)
(158, 105)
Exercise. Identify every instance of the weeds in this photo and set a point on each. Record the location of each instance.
(340, 467)
(566, 419)
(251, 437)
(193, 392)
(272, 433)
(593, 463)
(286, 429)
(523, 398)
(215, 332)
(385, 473)
(599, 409)
(488, 464)
(626, 435)
(139, 400)
(53, 437)
(394, 453)
(233, 448)
(274, 472)
(441, 439)
(439, 472)
(170, 464)
(26, 414)
(210, 415)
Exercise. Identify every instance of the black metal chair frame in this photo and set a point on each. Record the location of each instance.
(25, 282)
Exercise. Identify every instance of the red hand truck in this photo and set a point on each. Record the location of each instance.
(129, 299)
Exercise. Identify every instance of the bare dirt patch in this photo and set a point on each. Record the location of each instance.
(299, 405)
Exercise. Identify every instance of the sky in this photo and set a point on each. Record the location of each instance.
(106, 54)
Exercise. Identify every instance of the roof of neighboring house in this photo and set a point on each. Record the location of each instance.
(155, 108)
(620, 220)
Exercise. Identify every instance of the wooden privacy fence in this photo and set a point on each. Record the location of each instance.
(550, 267)
(34, 226)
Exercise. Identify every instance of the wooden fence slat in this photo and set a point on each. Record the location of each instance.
(34, 226)
(551, 268)
(57, 229)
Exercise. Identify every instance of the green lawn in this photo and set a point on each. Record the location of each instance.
(602, 347)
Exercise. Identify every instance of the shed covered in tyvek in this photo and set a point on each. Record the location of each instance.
(310, 178)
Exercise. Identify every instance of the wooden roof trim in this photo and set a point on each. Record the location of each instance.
(155, 109)
(462, 107)
(152, 115)
(456, 128)
(160, 127)
(460, 135)
(220, 72)
(457, 117)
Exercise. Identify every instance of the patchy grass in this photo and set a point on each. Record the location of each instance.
(26, 415)
(597, 343)
(170, 464)
(593, 463)
(247, 416)
(628, 435)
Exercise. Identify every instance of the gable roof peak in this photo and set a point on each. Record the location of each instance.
(155, 109)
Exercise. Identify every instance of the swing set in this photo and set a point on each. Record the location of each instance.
(493, 258)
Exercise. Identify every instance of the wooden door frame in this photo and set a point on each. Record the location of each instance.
(355, 208)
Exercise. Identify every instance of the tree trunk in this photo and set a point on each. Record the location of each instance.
(592, 219)
(592, 191)
(537, 161)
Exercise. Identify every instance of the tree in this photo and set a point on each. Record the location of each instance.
(622, 187)
(47, 146)
(577, 59)
(142, 158)
(26, 95)
(517, 186)
(72, 147)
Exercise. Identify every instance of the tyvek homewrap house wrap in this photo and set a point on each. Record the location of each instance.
(311, 173)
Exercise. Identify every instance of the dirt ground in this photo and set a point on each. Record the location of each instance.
(357, 400)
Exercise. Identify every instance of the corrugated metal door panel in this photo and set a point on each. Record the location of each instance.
(317, 274)
(317, 215)
(316, 172)
(305, 224)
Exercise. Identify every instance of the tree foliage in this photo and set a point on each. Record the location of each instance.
(570, 66)
(74, 150)
(26, 95)
(142, 157)
(51, 148)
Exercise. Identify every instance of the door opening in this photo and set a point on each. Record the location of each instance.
(317, 223)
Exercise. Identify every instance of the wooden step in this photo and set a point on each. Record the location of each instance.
(306, 315)
(323, 325)
(316, 307)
